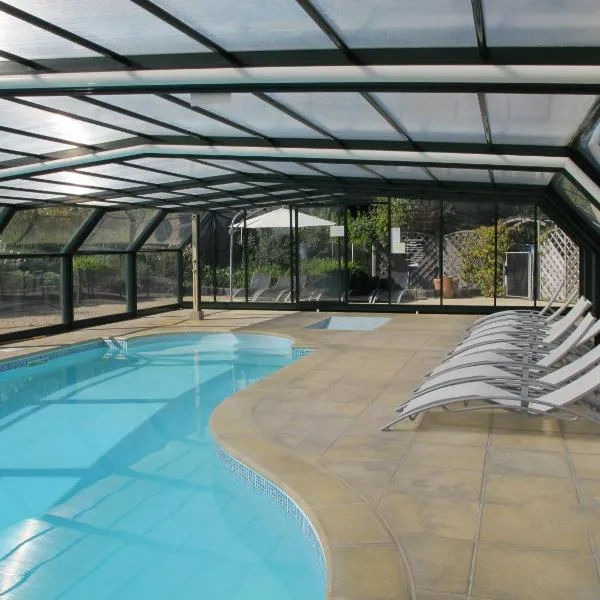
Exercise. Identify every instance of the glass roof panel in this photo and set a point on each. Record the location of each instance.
(45, 123)
(25, 143)
(524, 177)
(401, 23)
(436, 117)
(162, 196)
(117, 230)
(87, 110)
(542, 22)
(6, 156)
(196, 190)
(119, 25)
(68, 189)
(251, 111)
(42, 230)
(343, 170)
(345, 114)
(32, 184)
(125, 171)
(180, 166)
(31, 42)
(16, 193)
(399, 172)
(236, 165)
(536, 118)
(82, 179)
(289, 168)
(466, 175)
(12, 201)
(172, 232)
(241, 25)
(170, 113)
(576, 196)
(231, 186)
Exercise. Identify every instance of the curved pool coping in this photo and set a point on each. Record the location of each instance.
(319, 494)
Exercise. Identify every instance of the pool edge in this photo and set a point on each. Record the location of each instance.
(234, 432)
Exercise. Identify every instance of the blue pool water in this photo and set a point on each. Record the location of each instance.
(350, 323)
(111, 487)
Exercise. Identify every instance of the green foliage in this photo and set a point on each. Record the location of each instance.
(371, 227)
(480, 261)
(92, 264)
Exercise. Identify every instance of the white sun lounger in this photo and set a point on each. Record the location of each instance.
(557, 403)
(551, 335)
(526, 314)
(513, 373)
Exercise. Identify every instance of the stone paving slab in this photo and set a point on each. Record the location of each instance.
(471, 506)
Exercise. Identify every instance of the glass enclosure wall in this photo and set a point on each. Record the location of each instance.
(99, 287)
(391, 251)
(69, 263)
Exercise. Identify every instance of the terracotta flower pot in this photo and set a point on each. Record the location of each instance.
(448, 283)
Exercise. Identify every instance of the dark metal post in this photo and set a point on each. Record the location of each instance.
(179, 276)
(66, 289)
(495, 253)
(297, 247)
(292, 256)
(214, 256)
(196, 271)
(131, 282)
(245, 254)
(536, 256)
(441, 252)
(389, 250)
(346, 271)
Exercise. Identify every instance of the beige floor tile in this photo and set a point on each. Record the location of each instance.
(527, 440)
(368, 573)
(527, 462)
(368, 477)
(454, 435)
(523, 489)
(445, 456)
(590, 492)
(428, 481)
(438, 564)
(512, 573)
(440, 517)
(320, 489)
(584, 444)
(539, 524)
(427, 595)
(480, 419)
(352, 524)
(520, 422)
(587, 466)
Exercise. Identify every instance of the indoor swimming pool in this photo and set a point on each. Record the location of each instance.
(111, 485)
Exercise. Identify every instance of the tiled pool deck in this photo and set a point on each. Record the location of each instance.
(450, 507)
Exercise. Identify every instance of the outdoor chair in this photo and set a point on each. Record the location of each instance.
(397, 286)
(516, 368)
(280, 292)
(258, 282)
(528, 315)
(481, 395)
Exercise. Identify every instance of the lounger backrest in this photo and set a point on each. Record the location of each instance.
(561, 327)
(571, 392)
(260, 281)
(590, 334)
(551, 300)
(569, 343)
(574, 368)
(561, 309)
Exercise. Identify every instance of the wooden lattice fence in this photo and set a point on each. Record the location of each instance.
(559, 265)
(421, 251)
